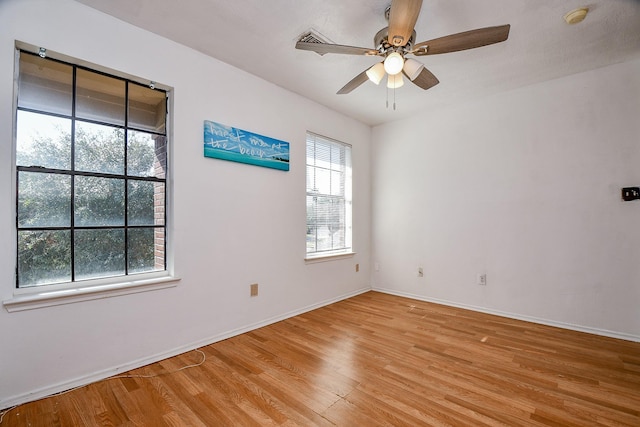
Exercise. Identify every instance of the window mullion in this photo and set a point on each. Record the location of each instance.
(126, 181)
(72, 233)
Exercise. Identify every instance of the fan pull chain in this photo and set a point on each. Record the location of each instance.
(394, 93)
(387, 97)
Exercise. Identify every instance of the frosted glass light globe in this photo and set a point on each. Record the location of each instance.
(412, 68)
(376, 73)
(395, 81)
(393, 63)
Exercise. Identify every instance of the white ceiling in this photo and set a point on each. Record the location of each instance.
(259, 36)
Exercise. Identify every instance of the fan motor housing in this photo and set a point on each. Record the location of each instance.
(381, 40)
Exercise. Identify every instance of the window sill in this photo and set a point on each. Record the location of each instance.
(331, 257)
(49, 298)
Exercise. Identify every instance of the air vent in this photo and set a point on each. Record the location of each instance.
(313, 37)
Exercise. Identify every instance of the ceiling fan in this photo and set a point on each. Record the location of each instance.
(396, 41)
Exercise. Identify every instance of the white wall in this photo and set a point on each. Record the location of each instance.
(522, 186)
(233, 224)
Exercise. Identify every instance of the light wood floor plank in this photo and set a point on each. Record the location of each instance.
(371, 360)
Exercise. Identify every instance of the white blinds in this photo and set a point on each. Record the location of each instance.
(328, 196)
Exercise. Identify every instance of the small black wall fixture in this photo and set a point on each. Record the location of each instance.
(630, 193)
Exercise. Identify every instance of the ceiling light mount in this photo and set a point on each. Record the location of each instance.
(576, 16)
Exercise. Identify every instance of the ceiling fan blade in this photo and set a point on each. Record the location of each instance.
(462, 41)
(402, 20)
(354, 83)
(323, 48)
(426, 79)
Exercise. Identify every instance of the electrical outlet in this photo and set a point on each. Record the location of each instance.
(420, 272)
(482, 279)
(254, 289)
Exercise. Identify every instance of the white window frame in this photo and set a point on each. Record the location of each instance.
(346, 197)
(69, 292)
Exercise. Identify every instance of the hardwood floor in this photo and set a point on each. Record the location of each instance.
(372, 360)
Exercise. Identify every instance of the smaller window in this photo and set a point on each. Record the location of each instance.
(328, 196)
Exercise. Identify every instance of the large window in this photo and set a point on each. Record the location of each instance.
(328, 196)
(91, 161)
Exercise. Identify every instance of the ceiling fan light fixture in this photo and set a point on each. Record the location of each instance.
(395, 81)
(398, 39)
(393, 63)
(412, 68)
(376, 73)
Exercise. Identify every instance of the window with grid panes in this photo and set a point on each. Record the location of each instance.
(328, 196)
(91, 165)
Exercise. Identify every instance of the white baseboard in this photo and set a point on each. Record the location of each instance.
(106, 373)
(570, 326)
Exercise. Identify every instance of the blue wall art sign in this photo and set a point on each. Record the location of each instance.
(228, 143)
